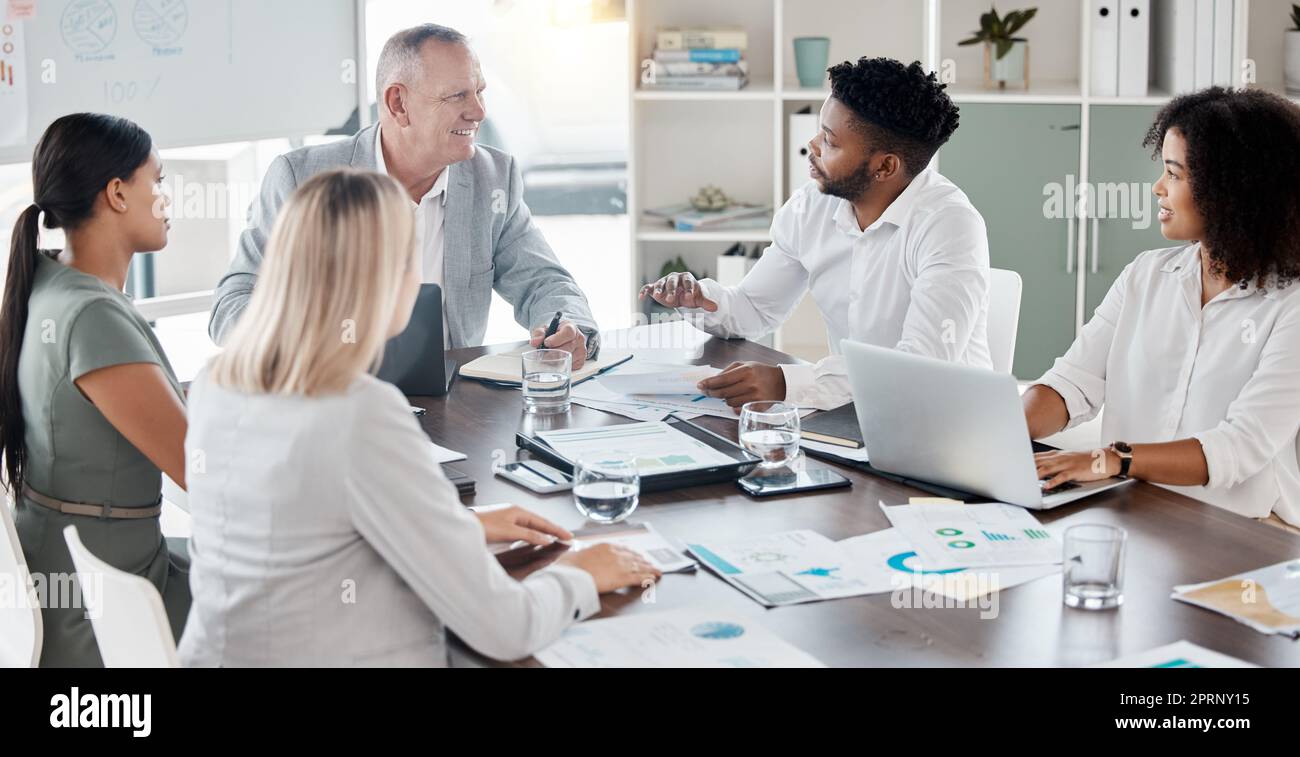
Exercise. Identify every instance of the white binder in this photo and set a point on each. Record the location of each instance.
(1134, 47)
(1174, 41)
(1105, 48)
(1224, 66)
(1204, 43)
(803, 127)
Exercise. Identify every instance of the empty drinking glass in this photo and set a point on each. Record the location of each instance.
(1094, 566)
(606, 487)
(770, 430)
(546, 381)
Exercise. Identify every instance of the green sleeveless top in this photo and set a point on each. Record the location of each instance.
(77, 324)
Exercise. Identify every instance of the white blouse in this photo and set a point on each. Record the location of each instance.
(325, 534)
(1227, 374)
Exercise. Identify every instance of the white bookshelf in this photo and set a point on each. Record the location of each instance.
(680, 141)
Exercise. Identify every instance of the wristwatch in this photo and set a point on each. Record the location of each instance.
(1124, 451)
(593, 342)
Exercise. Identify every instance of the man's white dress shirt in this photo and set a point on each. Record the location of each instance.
(916, 280)
(430, 222)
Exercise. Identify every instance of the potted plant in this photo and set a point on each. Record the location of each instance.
(1293, 53)
(1006, 56)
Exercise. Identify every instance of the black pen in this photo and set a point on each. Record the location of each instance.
(554, 327)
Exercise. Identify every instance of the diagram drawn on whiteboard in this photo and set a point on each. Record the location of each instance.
(160, 23)
(88, 26)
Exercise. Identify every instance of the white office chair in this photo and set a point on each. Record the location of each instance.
(1004, 317)
(21, 632)
(125, 610)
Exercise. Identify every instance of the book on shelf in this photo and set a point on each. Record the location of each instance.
(687, 38)
(698, 83)
(684, 217)
(740, 68)
(699, 55)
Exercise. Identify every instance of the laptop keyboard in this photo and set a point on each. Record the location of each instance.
(1065, 487)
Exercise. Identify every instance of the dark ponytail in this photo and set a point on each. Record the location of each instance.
(76, 158)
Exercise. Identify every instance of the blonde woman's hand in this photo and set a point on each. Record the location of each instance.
(517, 524)
(613, 567)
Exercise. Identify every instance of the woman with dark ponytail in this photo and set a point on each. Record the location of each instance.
(90, 410)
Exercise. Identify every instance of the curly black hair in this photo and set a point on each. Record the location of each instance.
(1243, 162)
(902, 109)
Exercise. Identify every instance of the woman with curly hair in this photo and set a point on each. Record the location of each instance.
(1195, 350)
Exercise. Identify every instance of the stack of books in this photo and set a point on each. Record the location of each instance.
(698, 58)
(684, 217)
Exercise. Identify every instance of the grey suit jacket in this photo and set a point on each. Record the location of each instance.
(490, 242)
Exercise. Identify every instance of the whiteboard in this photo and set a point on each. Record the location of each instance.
(191, 71)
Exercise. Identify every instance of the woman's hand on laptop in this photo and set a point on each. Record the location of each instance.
(567, 337)
(1059, 467)
(678, 290)
(510, 524)
(746, 382)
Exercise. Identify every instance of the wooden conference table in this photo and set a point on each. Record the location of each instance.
(1171, 540)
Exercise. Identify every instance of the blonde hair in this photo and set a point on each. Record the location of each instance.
(327, 288)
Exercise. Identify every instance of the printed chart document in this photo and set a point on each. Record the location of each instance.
(594, 395)
(639, 537)
(654, 445)
(785, 568)
(692, 637)
(1267, 600)
(886, 561)
(974, 536)
(675, 380)
(1180, 654)
(631, 399)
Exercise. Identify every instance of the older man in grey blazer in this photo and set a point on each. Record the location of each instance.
(473, 230)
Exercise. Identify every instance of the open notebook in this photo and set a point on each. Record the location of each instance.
(508, 367)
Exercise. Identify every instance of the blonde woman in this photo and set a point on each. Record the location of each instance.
(323, 531)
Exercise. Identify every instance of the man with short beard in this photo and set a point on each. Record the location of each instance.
(894, 254)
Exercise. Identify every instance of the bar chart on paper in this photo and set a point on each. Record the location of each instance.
(971, 536)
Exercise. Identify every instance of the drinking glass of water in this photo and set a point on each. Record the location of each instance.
(1094, 566)
(546, 381)
(770, 430)
(606, 486)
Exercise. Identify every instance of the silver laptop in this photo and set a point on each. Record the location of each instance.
(953, 425)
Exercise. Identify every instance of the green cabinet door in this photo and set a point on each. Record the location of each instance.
(1009, 159)
(1121, 172)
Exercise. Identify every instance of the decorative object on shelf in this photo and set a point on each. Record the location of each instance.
(710, 198)
(1293, 53)
(811, 58)
(710, 209)
(1006, 56)
(697, 59)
